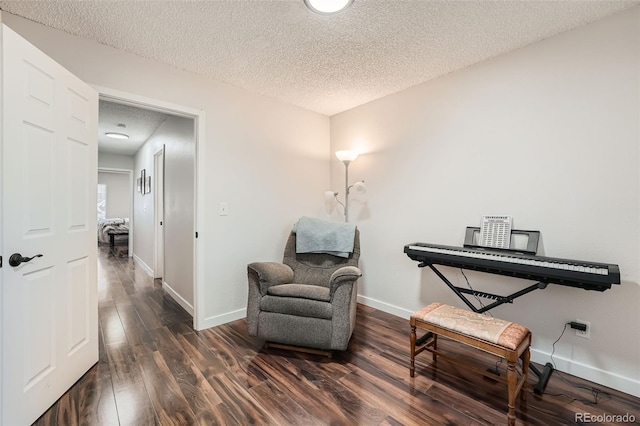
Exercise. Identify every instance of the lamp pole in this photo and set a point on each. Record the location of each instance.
(346, 157)
(346, 191)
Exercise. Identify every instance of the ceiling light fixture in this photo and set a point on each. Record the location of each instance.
(115, 135)
(327, 7)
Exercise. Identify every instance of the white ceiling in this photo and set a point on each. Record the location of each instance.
(327, 64)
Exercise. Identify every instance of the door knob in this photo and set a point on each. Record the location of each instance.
(16, 259)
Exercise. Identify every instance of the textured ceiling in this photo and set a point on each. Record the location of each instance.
(139, 124)
(324, 63)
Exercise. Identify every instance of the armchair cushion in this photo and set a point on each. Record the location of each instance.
(296, 306)
(302, 291)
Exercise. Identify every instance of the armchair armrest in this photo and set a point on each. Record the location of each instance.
(344, 275)
(266, 274)
(263, 275)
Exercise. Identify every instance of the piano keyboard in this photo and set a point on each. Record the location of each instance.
(538, 261)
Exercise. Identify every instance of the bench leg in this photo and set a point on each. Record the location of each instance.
(512, 384)
(435, 348)
(526, 358)
(412, 341)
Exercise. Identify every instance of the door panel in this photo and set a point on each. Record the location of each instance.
(49, 174)
(79, 314)
(77, 174)
(38, 178)
(38, 297)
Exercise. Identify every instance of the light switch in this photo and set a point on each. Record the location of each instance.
(224, 209)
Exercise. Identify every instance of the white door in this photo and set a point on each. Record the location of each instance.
(158, 160)
(48, 206)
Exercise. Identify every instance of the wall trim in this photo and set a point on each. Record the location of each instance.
(216, 320)
(385, 307)
(588, 372)
(179, 299)
(143, 265)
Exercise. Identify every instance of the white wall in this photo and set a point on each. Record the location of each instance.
(267, 159)
(176, 134)
(118, 193)
(179, 235)
(143, 204)
(108, 160)
(547, 134)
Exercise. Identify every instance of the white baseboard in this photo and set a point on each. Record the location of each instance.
(385, 307)
(216, 320)
(179, 299)
(144, 266)
(587, 372)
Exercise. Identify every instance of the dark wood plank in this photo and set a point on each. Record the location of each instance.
(96, 404)
(132, 400)
(110, 323)
(284, 409)
(147, 315)
(135, 330)
(201, 355)
(237, 403)
(302, 387)
(168, 401)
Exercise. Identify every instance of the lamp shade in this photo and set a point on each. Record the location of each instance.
(346, 155)
(329, 196)
(359, 187)
(327, 6)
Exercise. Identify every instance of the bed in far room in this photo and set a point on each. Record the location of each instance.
(111, 228)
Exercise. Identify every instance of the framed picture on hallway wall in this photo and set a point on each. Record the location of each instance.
(143, 173)
(139, 185)
(147, 185)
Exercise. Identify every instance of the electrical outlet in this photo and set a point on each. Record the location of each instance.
(584, 334)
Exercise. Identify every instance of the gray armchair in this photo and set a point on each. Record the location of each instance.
(308, 301)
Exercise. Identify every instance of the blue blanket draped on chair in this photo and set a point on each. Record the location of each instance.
(321, 236)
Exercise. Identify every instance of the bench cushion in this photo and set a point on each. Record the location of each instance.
(503, 333)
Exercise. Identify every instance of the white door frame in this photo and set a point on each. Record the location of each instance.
(198, 116)
(128, 172)
(158, 216)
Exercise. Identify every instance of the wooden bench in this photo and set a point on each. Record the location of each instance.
(507, 340)
(116, 233)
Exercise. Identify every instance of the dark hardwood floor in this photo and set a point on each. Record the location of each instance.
(155, 369)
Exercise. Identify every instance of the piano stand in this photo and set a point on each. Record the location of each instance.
(499, 300)
(545, 375)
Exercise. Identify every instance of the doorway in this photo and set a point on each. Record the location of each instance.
(154, 197)
(118, 200)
